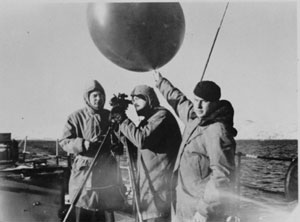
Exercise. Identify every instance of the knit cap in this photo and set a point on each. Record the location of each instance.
(208, 90)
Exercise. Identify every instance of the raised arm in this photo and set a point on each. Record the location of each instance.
(147, 136)
(176, 99)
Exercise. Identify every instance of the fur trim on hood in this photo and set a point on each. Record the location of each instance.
(147, 92)
(92, 86)
(223, 113)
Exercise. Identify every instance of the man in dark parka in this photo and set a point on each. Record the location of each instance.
(157, 139)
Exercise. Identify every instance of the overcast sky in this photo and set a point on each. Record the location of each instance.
(47, 56)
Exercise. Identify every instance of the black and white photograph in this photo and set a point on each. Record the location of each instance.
(149, 111)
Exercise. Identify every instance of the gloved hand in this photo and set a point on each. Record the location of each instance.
(117, 115)
(89, 146)
(93, 143)
(117, 148)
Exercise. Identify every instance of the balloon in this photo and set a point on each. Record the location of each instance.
(137, 36)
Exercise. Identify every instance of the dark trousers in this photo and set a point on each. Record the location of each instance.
(83, 215)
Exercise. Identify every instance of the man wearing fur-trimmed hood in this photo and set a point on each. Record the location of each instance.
(157, 140)
(205, 167)
(82, 137)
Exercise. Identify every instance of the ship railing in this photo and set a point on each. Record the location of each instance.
(36, 161)
(290, 182)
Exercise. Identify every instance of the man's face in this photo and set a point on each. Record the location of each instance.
(96, 99)
(139, 103)
(202, 107)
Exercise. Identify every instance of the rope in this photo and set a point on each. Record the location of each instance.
(215, 39)
(264, 157)
(251, 186)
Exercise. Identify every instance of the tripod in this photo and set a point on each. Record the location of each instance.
(79, 191)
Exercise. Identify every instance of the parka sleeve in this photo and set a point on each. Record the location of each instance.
(219, 189)
(70, 142)
(176, 99)
(149, 135)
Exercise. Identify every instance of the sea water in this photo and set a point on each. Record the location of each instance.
(263, 181)
(262, 197)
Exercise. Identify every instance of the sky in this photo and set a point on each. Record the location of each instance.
(47, 55)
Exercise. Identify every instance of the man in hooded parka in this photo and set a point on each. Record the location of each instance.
(82, 136)
(157, 139)
(205, 166)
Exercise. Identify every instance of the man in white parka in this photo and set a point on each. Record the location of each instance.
(82, 136)
(205, 167)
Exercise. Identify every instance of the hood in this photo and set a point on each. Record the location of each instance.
(223, 113)
(147, 92)
(91, 86)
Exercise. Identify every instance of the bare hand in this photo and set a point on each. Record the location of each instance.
(86, 144)
(157, 75)
(199, 218)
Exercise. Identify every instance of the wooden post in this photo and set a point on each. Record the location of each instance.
(56, 153)
(24, 148)
(238, 187)
(238, 174)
